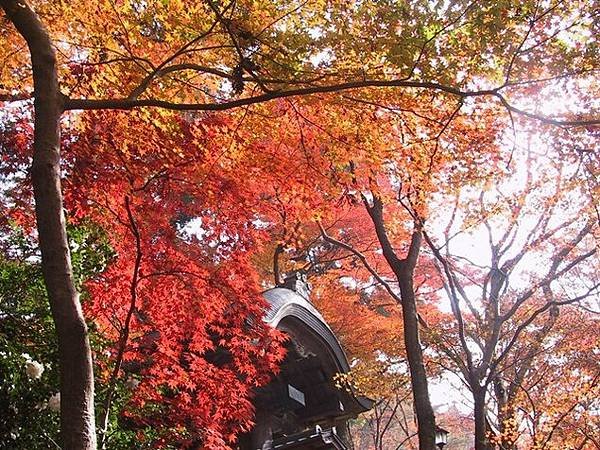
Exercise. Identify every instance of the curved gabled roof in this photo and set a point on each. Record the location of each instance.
(288, 304)
(280, 299)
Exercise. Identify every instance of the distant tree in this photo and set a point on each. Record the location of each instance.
(532, 253)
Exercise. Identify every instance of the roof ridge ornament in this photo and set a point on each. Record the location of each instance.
(297, 281)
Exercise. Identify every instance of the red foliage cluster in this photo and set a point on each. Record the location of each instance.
(180, 303)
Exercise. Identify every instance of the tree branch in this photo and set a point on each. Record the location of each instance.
(532, 317)
(276, 270)
(454, 302)
(362, 259)
(130, 103)
(124, 333)
(21, 96)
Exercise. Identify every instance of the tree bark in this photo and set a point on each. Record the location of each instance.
(404, 271)
(479, 416)
(75, 358)
(414, 353)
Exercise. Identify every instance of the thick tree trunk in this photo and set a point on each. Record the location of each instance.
(76, 374)
(414, 352)
(479, 416)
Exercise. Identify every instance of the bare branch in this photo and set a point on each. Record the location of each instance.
(130, 103)
(532, 317)
(553, 272)
(362, 259)
(454, 302)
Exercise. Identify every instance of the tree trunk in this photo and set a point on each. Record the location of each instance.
(76, 374)
(404, 271)
(506, 415)
(414, 353)
(479, 417)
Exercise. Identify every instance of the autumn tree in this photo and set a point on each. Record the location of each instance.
(216, 57)
(395, 201)
(547, 399)
(537, 240)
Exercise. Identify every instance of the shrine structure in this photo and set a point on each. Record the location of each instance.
(302, 408)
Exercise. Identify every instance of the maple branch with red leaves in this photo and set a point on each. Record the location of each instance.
(124, 332)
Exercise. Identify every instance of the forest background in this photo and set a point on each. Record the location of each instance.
(431, 165)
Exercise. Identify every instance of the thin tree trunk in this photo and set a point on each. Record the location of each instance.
(414, 353)
(76, 374)
(404, 271)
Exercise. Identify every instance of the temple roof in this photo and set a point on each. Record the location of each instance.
(280, 299)
(295, 314)
(287, 303)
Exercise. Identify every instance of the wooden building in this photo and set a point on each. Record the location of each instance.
(302, 408)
